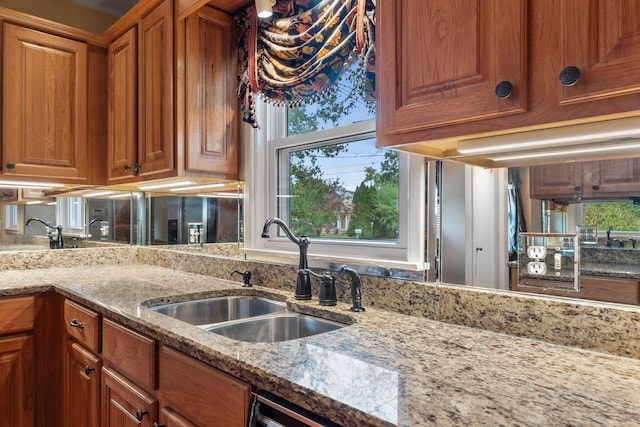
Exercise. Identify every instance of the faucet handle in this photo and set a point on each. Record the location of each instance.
(327, 287)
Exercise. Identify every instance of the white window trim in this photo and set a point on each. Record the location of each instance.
(12, 218)
(64, 214)
(260, 202)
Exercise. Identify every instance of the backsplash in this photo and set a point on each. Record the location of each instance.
(603, 327)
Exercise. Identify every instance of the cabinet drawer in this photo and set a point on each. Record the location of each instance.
(16, 314)
(189, 386)
(132, 354)
(83, 325)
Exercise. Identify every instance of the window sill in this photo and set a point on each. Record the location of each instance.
(372, 267)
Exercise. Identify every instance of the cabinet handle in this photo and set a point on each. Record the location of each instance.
(75, 324)
(570, 76)
(140, 413)
(595, 187)
(504, 89)
(88, 369)
(11, 165)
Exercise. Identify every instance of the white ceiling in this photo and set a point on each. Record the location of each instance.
(111, 7)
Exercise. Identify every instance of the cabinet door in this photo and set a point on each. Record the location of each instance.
(17, 379)
(124, 404)
(616, 177)
(211, 100)
(122, 108)
(169, 418)
(439, 62)
(563, 180)
(155, 93)
(189, 386)
(45, 106)
(81, 387)
(602, 39)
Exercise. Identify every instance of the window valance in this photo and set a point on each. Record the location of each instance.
(299, 53)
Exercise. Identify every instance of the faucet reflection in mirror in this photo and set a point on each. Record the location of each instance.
(303, 282)
(54, 243)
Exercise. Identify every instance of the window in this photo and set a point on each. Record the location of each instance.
(70, 212)
(11, 217)
(317, 168)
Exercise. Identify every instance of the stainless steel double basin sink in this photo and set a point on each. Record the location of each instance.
(247, 318)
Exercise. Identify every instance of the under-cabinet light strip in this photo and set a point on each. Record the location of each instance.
(555, 137)
(26, 184)
(199, 187)
(567, 152)
(165, 185)
(98, 194)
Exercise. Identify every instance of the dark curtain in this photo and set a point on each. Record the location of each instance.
(517, 223)
(300, 52)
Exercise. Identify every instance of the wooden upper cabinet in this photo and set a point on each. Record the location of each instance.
(603, 179)
(155, 93)
(602, 39)
(122, 108)
(439, 62)
(211, 106)
(44, 106)
(563, 180)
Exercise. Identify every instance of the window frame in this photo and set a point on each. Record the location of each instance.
(69, 220)
(261, 203)
(11, 218)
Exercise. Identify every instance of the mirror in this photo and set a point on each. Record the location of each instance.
(110, 218)
(486, 214)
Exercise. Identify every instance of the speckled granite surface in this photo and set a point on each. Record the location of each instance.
(386, 368)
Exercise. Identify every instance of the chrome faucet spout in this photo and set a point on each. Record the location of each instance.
(303, 282)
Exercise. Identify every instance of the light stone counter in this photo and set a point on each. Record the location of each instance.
(384, 369)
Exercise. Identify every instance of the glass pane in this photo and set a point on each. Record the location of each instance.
(342, 191)
(618, 216)
(343, 106)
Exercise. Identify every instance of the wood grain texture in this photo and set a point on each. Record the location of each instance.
(89, 333)
(18, 381)
(201, 393)
(17, 314)
(131, 353)
(121, 399)
(82, 370)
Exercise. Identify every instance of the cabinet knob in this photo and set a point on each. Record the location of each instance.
(595, 187)
(75, 324)
(88, 369)
(140, 413)
(570, 76)
(136, 167)
(155, 424)
(504, 89)
(577, 188)
(11, 165)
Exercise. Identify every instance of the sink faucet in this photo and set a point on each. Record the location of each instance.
(608, 243)
(56, 243)
(356, 287)
(303, 282)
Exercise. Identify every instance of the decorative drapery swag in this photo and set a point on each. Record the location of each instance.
(299, 53)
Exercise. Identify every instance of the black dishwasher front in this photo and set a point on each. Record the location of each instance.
(268, 410)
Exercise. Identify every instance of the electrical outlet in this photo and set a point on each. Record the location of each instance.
(537, 267)
(537, 252)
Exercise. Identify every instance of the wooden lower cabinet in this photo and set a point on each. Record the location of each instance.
(170, 418)
(81, 387)
(17, 381)
(124, 404)
(608, 289)
(200, 393)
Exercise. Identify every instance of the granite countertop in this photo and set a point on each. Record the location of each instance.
(385, 369)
